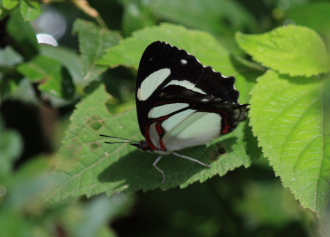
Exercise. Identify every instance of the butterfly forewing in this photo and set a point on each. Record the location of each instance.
(160, 64)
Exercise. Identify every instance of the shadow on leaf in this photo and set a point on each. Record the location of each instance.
(135, 171)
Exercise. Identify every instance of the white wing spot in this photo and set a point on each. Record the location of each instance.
(139, 94)
(186, 84)
(150, 83)
(183, 61)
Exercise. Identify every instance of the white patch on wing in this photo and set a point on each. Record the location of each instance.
(195, 129)
(166, 109)
(176, 119)
(186, 84)
(150, 83)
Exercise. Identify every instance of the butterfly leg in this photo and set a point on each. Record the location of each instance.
(157, 168)
(192, 159)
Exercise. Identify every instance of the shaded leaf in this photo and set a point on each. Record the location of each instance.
(318, 16)
(70, 60)
(214, 16)
(11, 146)
(8, 58)
(39, 67)
(93, 42)
(290, 120)
(284, 50)
(137, 14)
(51, 76)
(24, 36)
(59, 84)
(218, 17)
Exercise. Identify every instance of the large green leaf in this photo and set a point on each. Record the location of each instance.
(93, 41)
(293, 50)
(88, 166)
(203, 45)
(290, 117)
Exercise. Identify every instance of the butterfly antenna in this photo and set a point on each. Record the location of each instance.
(120, 138)
(116, 142)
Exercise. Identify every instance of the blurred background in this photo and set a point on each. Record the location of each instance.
(245, 202)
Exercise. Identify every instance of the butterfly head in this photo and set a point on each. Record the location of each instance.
(142, 145)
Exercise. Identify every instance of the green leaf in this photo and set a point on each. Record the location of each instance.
(10, 4)
(59, 84)
(70, 60)
(318, 16)
(202, 45)
(30, 9)
(214, 16)
(24, 36)
(291, 122)
(53, 78)
(11, 146)
(293, 50)
(268, 203)
(95, 216)
(137, 15)
(9, 58)
(219, 17)
(93, 42)
(39, 68)
(88, 166)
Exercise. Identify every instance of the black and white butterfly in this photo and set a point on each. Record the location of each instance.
(180, 103)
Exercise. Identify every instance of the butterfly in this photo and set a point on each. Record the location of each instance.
(180, 103)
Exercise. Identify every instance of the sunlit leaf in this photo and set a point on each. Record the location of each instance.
(293, 50)
(30, 9)
(10, 4)
(289, 116)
